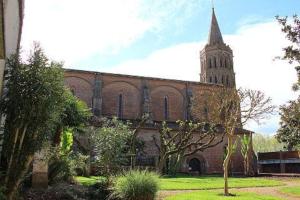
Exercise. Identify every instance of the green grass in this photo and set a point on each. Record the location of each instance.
(216, 195)
(87, 181)
(291, 190)
(213, 182)
(193, 183)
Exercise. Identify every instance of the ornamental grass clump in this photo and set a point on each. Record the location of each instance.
(136, 185)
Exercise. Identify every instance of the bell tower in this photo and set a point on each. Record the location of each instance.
(216, 58)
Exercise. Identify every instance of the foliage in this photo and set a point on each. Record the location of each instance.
(291, 190)
(292, 52)
(88, 181)
(110, 145)
(184, 182)
(265, 143)
(2, 196)
(76, 112)
(289, 131)
(188, 138)
(245, 151)
(32, 105)
(63, 162)
(136, 185)
(208, 195)
(100, 190)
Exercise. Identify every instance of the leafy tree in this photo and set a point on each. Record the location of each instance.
(246, 152)
(75, 115)
(32, 105)
(289, 131)
(188, 138)
(292, 52)
(265, 143)
(233, 108)
(111, 144)
(63, 161)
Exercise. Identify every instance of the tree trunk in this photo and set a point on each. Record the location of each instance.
(14, 183)
(161, 164)
(226, 164)
(11, 156)
(57, 135)
(246, 166)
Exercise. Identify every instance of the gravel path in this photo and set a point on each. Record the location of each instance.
(272, 191)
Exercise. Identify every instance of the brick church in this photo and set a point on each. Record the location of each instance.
(130, 97)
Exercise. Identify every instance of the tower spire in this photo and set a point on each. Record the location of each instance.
(215, 35)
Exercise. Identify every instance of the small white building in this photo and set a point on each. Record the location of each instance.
(11, 20)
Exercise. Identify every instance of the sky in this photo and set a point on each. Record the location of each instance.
(162, 38)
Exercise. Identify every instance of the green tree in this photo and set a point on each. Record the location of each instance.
(75, 115)
(289, 131)
(32, 105)
(246, 152)
(111, 143)
(292, 52)
(266, 143)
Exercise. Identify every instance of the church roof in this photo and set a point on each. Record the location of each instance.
(215, 35)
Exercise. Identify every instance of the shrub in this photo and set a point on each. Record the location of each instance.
(100, 190)
(2, 196)
(136, 185)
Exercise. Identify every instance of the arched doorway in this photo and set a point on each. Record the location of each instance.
(195, 165)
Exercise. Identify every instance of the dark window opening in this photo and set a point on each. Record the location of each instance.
(215, 62)
(227, 81)
(210, 79)
(210, 63)
(166, 111)
(222, 79)
(216, 79)
(120, 106)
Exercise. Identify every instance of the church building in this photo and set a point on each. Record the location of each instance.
(130, 97)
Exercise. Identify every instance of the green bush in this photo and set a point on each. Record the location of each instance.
(100, 190)
(136, 185)
(2, 196)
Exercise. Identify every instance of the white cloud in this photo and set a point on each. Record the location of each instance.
(254, 46)
(71, 30)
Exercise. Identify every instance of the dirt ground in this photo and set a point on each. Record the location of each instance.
(272, 191)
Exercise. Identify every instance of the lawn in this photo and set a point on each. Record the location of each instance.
(192, 182)
(216, 195)
(213, 182)
(87, 181)
(291, 190)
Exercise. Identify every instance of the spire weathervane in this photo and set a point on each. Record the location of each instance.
(212, 4)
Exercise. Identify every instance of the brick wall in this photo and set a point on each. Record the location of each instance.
(131, 88)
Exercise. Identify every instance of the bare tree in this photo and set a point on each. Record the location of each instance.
(233, 108)
(186, 139)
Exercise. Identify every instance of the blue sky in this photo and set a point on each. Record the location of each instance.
(162, 38)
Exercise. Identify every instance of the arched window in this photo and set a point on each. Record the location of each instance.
(210, 79)
(227, 80)
(216, 79)
(210, 63)
(166, 108)
(222, 79)
(215, 62)
(221, 61)
(120, 106)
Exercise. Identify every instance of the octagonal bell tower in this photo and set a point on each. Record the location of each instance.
(216, 58)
